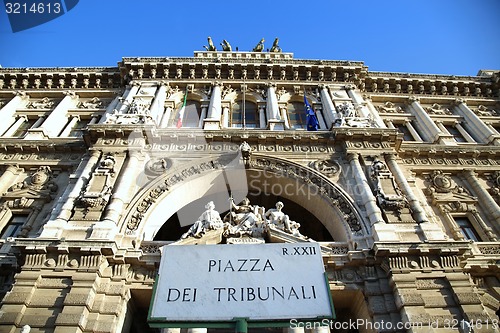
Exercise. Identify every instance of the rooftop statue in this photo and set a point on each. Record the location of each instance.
(211, 46)
(275, 47)
(259, 47)
(226, 46)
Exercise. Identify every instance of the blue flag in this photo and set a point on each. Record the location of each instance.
(311, 120)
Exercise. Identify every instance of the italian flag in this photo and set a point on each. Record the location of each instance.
(181, 112)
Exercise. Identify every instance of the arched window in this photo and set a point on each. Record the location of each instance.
(296, 115)
(191, 116)
(251, 115)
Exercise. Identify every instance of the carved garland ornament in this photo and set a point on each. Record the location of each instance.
(302, 173)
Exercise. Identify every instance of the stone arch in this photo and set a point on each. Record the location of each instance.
(171, 191)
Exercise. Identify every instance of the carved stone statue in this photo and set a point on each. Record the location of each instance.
(275, 47)
(211, 46)
(209, 220)
(246, 219)
(279, 220)
(259, 47)
(226, 46)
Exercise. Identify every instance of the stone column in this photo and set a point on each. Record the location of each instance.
(166, 117)
(284, 117)
(214, 108)
(158, 102)
(38, 122)
(464, 133)
(366, 194)
(329, 110)
(13, 129)
(9, 110)
(225, 117)
(8, 177)
(427, 127)
(485, 200)
(418, 212)
(319, 115)
(128, 176)
(262, 116)
(69, 127)
(203, 115)
(56, 120)
(360, 105)
(272, 108)
(412, 130)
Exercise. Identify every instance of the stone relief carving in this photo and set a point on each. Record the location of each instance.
(44, 103)
(482, 110)
(94, 103)
(137, 112)
(438, 109)
(96, 194)
(40, 181)
(389, 107)
(495, 189)
(327, 167)
(347, 117)
(441, 183)
(394, 204)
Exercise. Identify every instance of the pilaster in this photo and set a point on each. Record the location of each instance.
(475, 125)
(57, 120)
(213, 120)
(9, 110)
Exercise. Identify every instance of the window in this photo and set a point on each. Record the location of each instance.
(456, 133)
(297, 115)
(466, 228)
(192, 114)
(13, 228)
(77, 130)
(251, 115)
(24, 127)
(407, 136)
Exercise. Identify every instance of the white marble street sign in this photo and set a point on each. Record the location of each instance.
(255, 281)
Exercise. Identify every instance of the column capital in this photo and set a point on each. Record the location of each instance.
(353, 156)
(412, 99)
(470, 173)
(70, 93)
(217, 84)
(459, 101)
(21, 94)
(271, 85)
(350, 86)
(390, 156)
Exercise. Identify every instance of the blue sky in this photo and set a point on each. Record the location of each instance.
(426, 36)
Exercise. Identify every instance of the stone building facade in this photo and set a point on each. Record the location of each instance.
(400, 184)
